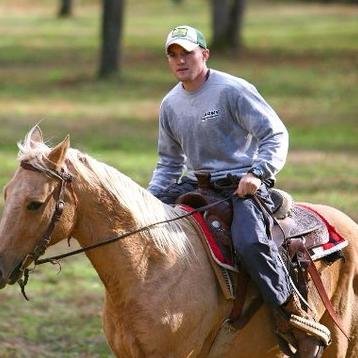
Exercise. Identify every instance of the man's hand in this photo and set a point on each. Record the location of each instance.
(248, 185)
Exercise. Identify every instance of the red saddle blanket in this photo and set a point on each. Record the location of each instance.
(336, 241)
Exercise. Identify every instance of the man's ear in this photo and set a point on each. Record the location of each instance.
(206, 54)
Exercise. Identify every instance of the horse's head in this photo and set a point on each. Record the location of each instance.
(39, 207)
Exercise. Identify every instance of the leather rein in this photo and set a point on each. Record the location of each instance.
(66, 179)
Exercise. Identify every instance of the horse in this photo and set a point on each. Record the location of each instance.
(162, 298)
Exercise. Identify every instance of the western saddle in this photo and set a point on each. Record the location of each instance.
(287, 221)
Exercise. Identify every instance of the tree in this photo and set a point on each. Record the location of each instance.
(112, 24)
(227, 18)
(65, 9)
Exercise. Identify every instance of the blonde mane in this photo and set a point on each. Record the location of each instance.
(144, 207)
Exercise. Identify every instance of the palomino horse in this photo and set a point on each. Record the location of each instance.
(161, 296)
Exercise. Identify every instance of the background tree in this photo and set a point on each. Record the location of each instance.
(227, 18)
(65, 8)
(111, 36)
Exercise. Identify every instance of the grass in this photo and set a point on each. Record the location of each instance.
(302, 58)
(67, 326)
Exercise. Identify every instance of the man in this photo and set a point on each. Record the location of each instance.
(212, 121)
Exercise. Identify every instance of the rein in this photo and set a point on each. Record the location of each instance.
(40, 248)
(126, 234)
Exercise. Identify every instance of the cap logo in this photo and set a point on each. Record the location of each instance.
(180, 32)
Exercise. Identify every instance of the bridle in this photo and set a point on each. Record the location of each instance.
(64, 179)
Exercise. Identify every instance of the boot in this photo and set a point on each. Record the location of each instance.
(297, 329)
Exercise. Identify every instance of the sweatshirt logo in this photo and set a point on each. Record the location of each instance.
(213, 114)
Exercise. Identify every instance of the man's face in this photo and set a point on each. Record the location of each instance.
(187, 66)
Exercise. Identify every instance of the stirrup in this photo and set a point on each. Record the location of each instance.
(313, 328)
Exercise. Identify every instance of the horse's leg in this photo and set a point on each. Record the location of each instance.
(255, 340)
(118, 337)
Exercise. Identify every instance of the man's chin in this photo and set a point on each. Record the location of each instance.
(182, 78)
(182, 75)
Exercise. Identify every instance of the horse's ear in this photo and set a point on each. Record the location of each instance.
(58, 153)
(36, 135)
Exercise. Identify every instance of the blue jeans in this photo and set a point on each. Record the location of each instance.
(258, 252)
(255, 250)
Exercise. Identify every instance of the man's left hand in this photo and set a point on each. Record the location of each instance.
(248, 185)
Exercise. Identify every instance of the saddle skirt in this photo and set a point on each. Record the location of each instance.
(221, 262)
(217, 250)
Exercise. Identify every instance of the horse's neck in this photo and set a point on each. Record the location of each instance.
(126, 262)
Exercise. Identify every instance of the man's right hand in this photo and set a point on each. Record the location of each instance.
(248, 186)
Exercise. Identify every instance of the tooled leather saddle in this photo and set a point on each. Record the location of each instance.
(288, 221)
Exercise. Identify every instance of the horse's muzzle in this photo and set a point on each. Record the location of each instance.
(9, 279)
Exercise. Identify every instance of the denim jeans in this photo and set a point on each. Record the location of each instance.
(258, 252)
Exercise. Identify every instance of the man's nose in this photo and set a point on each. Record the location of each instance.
(181, 58)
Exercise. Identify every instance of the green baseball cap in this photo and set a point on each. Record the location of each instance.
(187, 37)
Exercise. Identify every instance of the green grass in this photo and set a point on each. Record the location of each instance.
(302, 58)
(66, 326)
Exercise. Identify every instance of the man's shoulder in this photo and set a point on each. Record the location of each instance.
(172, 94)
(229, 80)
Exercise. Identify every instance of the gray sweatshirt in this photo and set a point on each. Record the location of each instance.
(223, 127)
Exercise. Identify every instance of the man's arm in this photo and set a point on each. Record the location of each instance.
(265, 126)
(171, 160)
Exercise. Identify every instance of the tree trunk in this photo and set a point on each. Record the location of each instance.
(112, 21)
(227, 18)
(65, 9)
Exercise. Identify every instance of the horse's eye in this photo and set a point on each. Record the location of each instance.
(34, 205)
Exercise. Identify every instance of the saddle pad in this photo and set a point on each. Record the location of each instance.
(214, 248)
(335, 243)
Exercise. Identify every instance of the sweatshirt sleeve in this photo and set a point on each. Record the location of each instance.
(171, 160)
(261, 121)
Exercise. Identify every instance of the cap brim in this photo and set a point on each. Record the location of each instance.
(185, 44)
